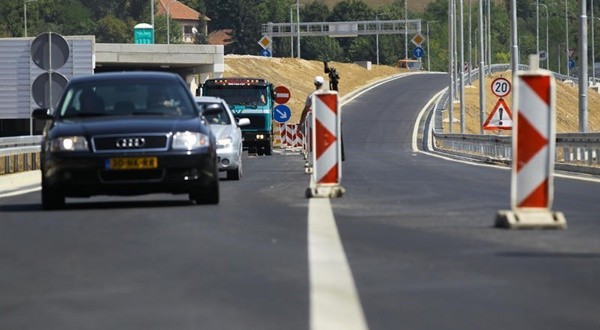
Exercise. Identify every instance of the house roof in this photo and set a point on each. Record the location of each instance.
(179, 11)
(219, 37)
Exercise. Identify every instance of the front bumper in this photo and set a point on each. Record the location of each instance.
(86, 174)
(228, 159)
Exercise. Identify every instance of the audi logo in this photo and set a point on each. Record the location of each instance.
(130, 142)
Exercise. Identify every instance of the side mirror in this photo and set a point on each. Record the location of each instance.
(41, 114)
(243, 122)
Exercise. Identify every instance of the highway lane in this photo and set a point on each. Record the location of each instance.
(156, 262)
(418, 232)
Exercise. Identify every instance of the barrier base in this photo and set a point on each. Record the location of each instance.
(308, 169)
(530, 219)
(325, 191)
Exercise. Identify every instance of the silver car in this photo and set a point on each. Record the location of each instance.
(227, 132)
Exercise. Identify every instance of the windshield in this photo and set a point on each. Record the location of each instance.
(220, 118)
(247, 96)
(110, 98)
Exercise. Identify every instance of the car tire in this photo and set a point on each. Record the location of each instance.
(206, 195)
(235, 174)
(52, 198)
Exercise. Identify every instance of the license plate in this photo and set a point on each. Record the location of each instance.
(132, 163)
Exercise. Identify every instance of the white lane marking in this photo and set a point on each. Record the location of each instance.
(334, 301)
(20, 192)
(415, 134)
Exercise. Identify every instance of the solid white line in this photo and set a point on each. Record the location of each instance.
(334, 301)
(415, 134)
(20, 192)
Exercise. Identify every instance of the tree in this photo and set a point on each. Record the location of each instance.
(315, 11)
(322, 49)
(113, 30)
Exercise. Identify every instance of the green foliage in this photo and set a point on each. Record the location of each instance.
(321, 49)
(315, 11)
(113, 21)
(113, 30)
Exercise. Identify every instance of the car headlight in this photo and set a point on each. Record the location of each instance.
(190, 140)
(225, 142)
(69, 143)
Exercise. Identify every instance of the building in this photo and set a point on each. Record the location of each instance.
(191, 21)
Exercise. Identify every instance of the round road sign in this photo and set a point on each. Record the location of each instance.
(49, 51)
(47, 89)
(282, 113)
(282, 94)
(501, 87)
(418, 52)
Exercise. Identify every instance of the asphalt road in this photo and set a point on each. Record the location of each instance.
(416, 230)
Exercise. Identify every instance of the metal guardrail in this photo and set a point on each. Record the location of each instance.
(577, 152)
(19, 153)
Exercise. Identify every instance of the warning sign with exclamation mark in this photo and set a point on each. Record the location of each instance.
(500, 118)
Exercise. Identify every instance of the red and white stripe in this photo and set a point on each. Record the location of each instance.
(326, 128)
(533, 141)
(290, 134)
(277, 134)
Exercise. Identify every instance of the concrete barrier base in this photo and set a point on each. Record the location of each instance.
(329, 191)
(530, 219)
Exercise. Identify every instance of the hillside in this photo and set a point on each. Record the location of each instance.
(297, 75)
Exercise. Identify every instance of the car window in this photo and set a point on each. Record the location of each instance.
(107, 98)
(221, 118)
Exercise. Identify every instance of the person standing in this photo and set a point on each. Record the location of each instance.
(318, 82)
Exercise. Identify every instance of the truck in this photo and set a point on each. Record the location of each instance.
(251, 98)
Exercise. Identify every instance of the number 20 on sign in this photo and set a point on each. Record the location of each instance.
(501, 87)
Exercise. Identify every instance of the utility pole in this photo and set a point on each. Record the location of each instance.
(298, 26)
(583, 68)
(514, 58)
(451, 62)
(481, 71)
(462, 71)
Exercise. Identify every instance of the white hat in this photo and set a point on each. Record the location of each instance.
(319, 80)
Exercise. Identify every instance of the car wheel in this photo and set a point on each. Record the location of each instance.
(235, 174)
(206, 195)
(52, 198)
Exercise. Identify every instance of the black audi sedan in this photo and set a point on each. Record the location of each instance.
(127, 133)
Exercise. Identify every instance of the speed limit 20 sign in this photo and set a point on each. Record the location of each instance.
(501, 87)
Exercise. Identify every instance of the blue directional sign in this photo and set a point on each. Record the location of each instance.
(282, 113)
(571, 64)
(265, 52)
(418, 52)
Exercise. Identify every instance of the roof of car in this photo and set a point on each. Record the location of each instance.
(134, 75)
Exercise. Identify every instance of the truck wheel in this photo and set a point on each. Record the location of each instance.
(268, 150)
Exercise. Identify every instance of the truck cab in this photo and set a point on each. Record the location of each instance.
(251, 98)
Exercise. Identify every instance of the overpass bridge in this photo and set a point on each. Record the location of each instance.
(83, 56)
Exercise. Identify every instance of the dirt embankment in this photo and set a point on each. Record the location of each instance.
(297, 75)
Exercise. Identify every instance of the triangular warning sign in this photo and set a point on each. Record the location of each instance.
(500, 118)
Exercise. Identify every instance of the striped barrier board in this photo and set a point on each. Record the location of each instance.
(326, 155)
(534, 139)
